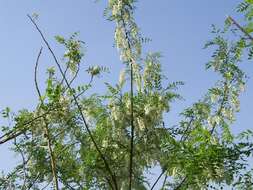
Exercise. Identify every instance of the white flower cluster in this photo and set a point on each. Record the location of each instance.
(65, 103)
(122, 79)
(115, 113)
(116, 6)
(141, 124)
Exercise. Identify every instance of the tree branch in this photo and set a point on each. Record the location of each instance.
(131, 62)
(240, 28)
(156, 181)
(77, 104)
(181, 183)
(164, 181)
(24, 162)
(47, 132)
(17, 132)
(221, 105)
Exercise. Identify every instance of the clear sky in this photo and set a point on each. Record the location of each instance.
(178, 29)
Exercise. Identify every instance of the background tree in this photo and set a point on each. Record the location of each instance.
(74, 140)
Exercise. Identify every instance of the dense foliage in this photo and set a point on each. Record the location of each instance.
(73, 140)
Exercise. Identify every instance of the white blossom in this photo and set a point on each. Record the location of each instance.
(141, 123)
(122, 78)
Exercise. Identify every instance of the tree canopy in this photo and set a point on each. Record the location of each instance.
(77, 140)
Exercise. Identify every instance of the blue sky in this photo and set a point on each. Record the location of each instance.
(178, 29)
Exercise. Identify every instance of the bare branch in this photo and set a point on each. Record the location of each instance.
(65, 72)
(156, 181)
(164, 181)
(47, 132)
(75, 75)
(36, 71)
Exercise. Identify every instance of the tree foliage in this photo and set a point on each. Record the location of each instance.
(76, 140)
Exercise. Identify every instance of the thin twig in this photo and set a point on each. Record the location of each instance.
(33, 183)
(65, 72)
(36, 73)
(164, 181)
(159, 177)
(46, 128)
(66, 184)
(75, 75)
(240, 28)
(48, 183)
(185, 135)
(89, 84)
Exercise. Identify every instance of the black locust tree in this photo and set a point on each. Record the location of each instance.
(77, 140)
